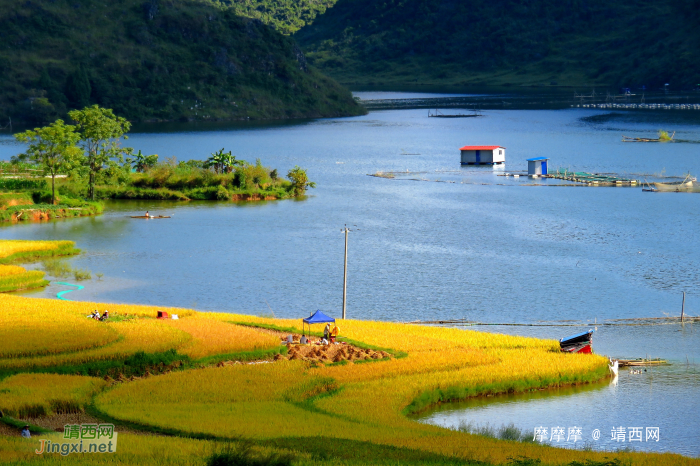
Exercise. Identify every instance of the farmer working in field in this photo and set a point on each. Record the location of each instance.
(334, 333)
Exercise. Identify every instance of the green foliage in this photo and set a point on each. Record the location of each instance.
(100, 134)
(13, 199)
(12, 184)
(78, 88)
(81, 274)
(506, 42)
(223, 162)
(150, 61)
(287, 16)
(244, 454)
(142, 162)
(505, 432)
(300, 181)
(134, 365)
(23, 281)
(57, 267)
(187, 180)
(48, 211)
(53, 148)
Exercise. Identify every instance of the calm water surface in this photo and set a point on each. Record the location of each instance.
(475, 245)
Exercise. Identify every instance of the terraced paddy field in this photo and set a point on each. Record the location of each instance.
(166, 376)
(183, 391)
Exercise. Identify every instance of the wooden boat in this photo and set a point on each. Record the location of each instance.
(689, 185)
(579, 343)
(150, 216)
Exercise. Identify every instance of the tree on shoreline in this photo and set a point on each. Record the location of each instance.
(54, 148)
(300, 180)
(100, 133)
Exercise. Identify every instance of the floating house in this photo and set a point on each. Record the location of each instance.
(537, 166)
(483, 155)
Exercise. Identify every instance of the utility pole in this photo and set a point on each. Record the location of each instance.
(345, 272)
(346, 249)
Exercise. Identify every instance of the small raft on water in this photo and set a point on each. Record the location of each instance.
(150, 216)
(642, 362)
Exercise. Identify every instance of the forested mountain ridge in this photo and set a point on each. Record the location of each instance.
(287, 16)
(575, 42)
(154, 60)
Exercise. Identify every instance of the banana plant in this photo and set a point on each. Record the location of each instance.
(222, 162)
(143, 162)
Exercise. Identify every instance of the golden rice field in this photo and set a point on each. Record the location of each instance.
(211, 337)
(10, 247)
(37, 327)
(12, 277)
(31, 395)
(263, 401)
(8, 270)
(365, 403)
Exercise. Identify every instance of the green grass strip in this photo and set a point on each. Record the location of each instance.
(23, 281)
(253, 355)
(457, 393)
(12, 422)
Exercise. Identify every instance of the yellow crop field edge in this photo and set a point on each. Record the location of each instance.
(18, 250)
(32, 395)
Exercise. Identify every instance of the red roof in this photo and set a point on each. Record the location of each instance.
(481, 147)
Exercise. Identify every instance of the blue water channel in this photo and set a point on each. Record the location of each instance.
(440, 242)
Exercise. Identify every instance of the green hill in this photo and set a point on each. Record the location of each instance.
(155, 60)
(516, 42)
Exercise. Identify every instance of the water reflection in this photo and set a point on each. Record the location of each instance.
(657, 398)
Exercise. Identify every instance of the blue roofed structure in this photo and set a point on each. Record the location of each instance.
(537, 166)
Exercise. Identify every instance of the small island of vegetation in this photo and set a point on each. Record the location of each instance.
(67, 169)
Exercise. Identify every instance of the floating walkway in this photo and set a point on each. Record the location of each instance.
(593, 179)
(628, 106)
(567, 323)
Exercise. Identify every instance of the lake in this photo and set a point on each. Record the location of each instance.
(461, 242)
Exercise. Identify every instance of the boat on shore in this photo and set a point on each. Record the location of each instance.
(579, 343)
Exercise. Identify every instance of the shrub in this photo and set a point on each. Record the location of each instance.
(222, 194)
(13, 184)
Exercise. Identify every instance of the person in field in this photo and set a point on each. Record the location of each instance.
(334, 333)
(304, 340)
(327, 331)
(26, 433)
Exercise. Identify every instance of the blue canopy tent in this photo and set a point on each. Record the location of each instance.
(317, 317)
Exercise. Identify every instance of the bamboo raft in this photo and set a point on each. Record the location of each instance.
(642, 362)
(568, 323)
(437, 114)
(631, 139)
